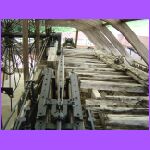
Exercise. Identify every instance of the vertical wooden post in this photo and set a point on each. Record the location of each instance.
(25, 50)
(46, 31)
(76, 38)
(37, 36)
(46, 25)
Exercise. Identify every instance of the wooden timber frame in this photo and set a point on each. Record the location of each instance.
(25, 50)
(103, 39)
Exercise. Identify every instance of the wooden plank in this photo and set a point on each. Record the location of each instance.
(72, 59)
(105, 104)
(79, 54)
(103, 76)
(127, 98)
(102, 71)
(120, 110)
(128, 121)
(84, 57)
(129, 111)
(112, 86)
(83, 69)
(105, 79)
(85, 64)
(52, 57)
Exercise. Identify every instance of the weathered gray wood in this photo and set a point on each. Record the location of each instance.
(73, 53)
(106, 41)
(100, 37)
(94, 40)
(25, 51)
(112, 86)
(136, 74)
(120, 110)
(116, 43)
(37, 38)
(85, 64)
(105, 79)
(91, 57)
(101, 71)
(83, 69)
(127, 98)
(73, 59)
(114, 104)
(95, 94)
(131, 37)
(52, 57)
(128, 121)
(82, 57)
(104, 76)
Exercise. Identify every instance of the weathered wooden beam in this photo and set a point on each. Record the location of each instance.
(25, 50)
(77, 53)
(105, 79)
(84, 69)
(119, 110)
(131, 37)
(52, 57)
(102, 76)
(116, 43)
(107, 47)
(78, 64)
(37, 38)
(136, 74)
(93, 28)
(84, 57)
(128, 121)
(76, 38)
(88, 63)
(107, 42)
(100, 71)
(126, 98)
(93, 39)
(120, 104)
(82, 60)
(112, 86)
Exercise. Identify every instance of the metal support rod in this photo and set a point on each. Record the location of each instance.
(76, 38)
(25, 50)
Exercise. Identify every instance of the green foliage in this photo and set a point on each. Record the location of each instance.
(63, 29)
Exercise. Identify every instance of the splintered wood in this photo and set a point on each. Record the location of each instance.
(111, 92)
